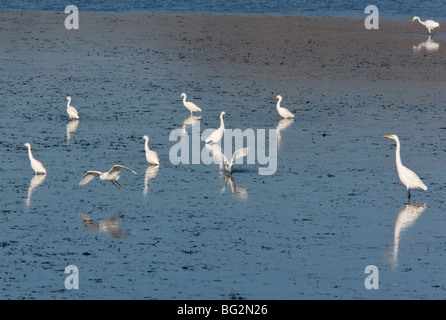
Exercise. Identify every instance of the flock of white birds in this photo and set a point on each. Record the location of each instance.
(407, 177)
(152, 157)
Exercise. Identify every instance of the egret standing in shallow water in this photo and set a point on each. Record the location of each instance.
(192, 107)
(151, 156)
(407, 177)
(111, 175)
(72, 112)
(429, 24)
(35, 164)
(216, 136)
(283, 112)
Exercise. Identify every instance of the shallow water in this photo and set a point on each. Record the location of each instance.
(306, 232)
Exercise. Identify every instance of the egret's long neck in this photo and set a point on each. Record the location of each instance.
(278, 103)
(147, 145)
(68, 103)
(398, 155)
(30, 154)
(184, 99)
(222, 123)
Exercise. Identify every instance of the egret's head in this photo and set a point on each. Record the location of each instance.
(278, 97)
(414, 18)
(27, 145)
(393, 136)
(146, 137)
(224, 113)
(183, 95)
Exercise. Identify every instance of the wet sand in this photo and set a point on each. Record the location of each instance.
(334, 206)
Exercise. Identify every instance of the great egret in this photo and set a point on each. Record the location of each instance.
(72, 112)
(151, 156)
(429, 24)
(35, 164)
(407, 177)
(192, 107)
(111, 175)
(216, 136)
(283, 112)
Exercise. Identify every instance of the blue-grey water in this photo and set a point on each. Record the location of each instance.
(333, 207)
(395, 9)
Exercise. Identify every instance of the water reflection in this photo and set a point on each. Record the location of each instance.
(110, 226)
(282, 125)
(151, 173)
(406, 218)
(429, 45)
(190, 121)
(71, 128)
(238, 192)
(36, 181)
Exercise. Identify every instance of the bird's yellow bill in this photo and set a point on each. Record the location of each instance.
(387, 136)
(412, 20)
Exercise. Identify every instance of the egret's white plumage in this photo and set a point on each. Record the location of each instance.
(218, 152)
(35, 164)
(111, 175)
(151, 156)
(283, 112)
(407, 177)
(216, 136)
(429, 24)
(72, 112)
(192, 107)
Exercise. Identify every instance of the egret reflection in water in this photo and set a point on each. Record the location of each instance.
(239, 192)
(71, 128)
(36, 181)
(110, 226)
(190, 121)
(282, 125)
(429, 46)
(151, 173)
(406, 218)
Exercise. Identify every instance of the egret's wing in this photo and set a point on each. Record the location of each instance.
(88, 177)
(117, 168)
(217, 152)
(240, 153)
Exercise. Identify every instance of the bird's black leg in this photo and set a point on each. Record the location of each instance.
(116, 185)
(119, 185)
(409, 196)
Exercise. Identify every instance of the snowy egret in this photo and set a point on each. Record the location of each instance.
(72, 112)
(151, 156)
(218, 152)
(35, 164)
(283, 112)
(192, 107)
(429, 24)
(216, 136)
(407, 177)
(111, 175)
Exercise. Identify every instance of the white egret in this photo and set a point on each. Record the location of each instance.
(111, 175)
(192, 107)
(283, 112)
(72, 112)
(407, 177)
(216, 136)
(35, 164)
(429, 24)
(218, 152)
(151, 156)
